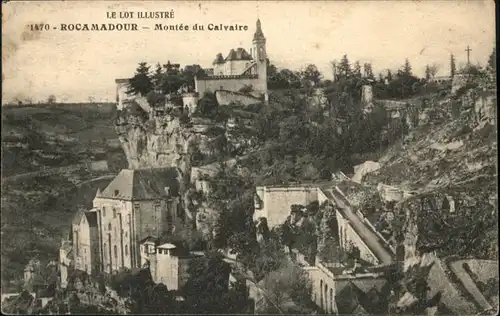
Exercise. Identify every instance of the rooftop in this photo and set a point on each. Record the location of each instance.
(142, 184)
(238, 54)
(91, 217)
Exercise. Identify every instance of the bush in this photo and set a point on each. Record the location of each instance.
(246, 89)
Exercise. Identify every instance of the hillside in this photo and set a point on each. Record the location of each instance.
(450, 165)
(45, 136)
(37, 207)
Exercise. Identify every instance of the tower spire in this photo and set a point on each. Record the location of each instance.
(258, 31)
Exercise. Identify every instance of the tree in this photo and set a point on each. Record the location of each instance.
(207, 284)
(333, 64)
(207, 106)
(389, 76)
(492, 61)
(452, 65)
(357, 70)
(190, 72)
(433, 70)
(427, 73)
(368, 72)
(172, 79)
(288, 282)
(344, 68)
(311, 74)
(141, 83)
(51, 99)
(157, 77)
(407, 68)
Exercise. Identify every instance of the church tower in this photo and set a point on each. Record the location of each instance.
(260, 57)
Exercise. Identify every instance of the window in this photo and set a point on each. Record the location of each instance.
(109, 226)
(126, 250)
(114, 213)
(126, 233)
(103, 211)
(85, 250)
(115, 250)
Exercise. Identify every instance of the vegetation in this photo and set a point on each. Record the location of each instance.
(165, 79)
(37, 208)
(207, 290)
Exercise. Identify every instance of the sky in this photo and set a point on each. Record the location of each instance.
(74, 66)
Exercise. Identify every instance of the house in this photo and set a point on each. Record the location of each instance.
(354, 231)
(168, 263)
(136, 204)
(86, 241)
(65, 262)
(238, 70)
(274, 202)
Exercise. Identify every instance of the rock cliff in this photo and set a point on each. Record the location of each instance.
(449, 165)
(164, 139)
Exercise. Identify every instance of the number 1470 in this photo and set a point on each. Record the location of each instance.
(39, 27)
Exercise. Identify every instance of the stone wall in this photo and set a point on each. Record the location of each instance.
(190, 101)
(323, 288)
(276, 202)
(121, 93)
(82, 243)
(227, 97)
(230, 84)
(151, 219)
(348, 236)
(167, 270)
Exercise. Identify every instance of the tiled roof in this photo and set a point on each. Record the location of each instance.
(148, 239)
(219, 59)
(238, 54)
(142, 184)
(91, 218)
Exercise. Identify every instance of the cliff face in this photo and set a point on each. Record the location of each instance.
(164, 140)
(449, 163)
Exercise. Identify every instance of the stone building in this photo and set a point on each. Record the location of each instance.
(354, 231)
(136, 204)
(239, 69)
(86, 241)
(65, 262)
(273, 202)
(168, 263)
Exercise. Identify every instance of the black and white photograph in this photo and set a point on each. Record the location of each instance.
(249, 157)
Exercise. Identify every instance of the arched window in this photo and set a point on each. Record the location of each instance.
(115, 250)
(326, 299)
(109, 226)
(114, 213)
(126, 250)
(321, 293)
(331, 300)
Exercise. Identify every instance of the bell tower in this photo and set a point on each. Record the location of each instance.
(260, 57)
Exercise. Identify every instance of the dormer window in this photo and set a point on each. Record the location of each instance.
(117, 192)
